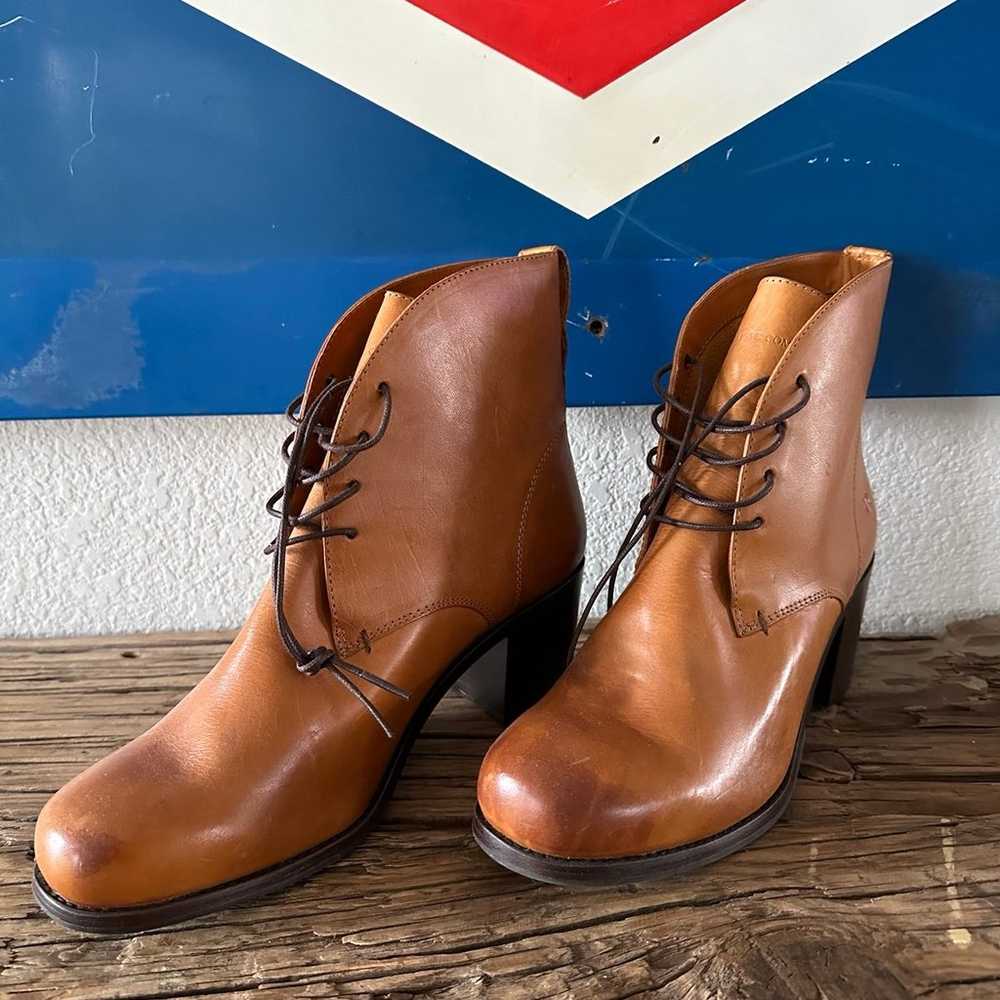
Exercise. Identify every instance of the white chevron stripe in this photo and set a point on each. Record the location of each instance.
(588, 153)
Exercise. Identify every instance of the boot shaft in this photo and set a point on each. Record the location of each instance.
(469, 499)
(818, 522)
(818, 536)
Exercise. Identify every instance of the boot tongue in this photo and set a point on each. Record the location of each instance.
(393, 306)
(778, 310)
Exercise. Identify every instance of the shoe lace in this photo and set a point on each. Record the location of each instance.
(307, 424)
(667, 482)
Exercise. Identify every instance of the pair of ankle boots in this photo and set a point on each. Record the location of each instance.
(430, 532)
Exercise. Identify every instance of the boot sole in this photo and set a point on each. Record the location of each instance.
(538, 639)
(829, 686)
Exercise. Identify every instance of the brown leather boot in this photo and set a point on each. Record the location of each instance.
(674, 737)
(430, 511)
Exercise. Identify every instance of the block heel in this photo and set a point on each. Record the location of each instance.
(520, 669)
(837, 669)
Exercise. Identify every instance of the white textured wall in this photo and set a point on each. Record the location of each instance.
(149, 524)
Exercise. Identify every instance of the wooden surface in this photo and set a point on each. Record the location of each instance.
(882, 882)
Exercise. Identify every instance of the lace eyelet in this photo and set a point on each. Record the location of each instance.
(350, 534)
(383, 387)
(769, 475)
(689, 361)
(758, 522)
(801, 381)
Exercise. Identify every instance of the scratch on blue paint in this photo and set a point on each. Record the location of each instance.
(948, 115)
(93, 100)
(90, 88)
(617, 230)
(791, 158)
(701, 259)
(14, 20)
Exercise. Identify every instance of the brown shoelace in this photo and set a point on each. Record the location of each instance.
(667, 482)
(311, 661)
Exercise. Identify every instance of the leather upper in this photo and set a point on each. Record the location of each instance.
(468, 510)
(797, 558)
(430, 514)
(679, 716)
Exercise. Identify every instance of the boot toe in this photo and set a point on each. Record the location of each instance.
(115, 836)
(559, 786)
(81, 860)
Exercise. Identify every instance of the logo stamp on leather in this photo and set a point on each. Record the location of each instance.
(766, 338)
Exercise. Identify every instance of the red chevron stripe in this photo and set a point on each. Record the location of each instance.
(581, 45)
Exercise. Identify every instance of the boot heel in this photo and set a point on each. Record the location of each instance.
(838, 663)
(509, 678)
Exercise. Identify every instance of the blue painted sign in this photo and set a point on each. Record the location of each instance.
(186, 212)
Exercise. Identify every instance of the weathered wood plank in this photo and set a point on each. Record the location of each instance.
(882, 882)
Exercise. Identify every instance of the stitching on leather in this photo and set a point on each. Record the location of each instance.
(819, 595)
(522, 529)
(741, 625)
(422, 612)
(777, 279)
(401, 322)
(796, 345)
(786, 610)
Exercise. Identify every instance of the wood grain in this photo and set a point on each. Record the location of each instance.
(882, 883)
